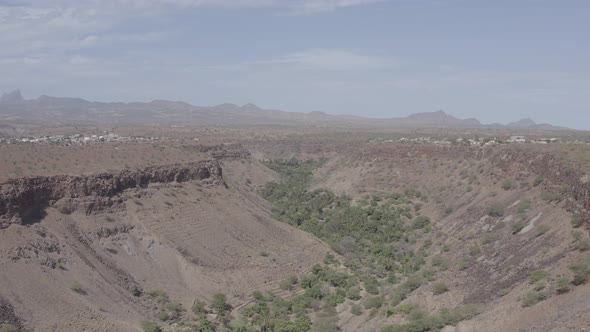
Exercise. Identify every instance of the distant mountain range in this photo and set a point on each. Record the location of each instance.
(13, 107)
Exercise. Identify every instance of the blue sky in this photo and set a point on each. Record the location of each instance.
(497, 61)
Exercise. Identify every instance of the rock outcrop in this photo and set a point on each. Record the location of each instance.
(23, 200)
(566, 178)
(221, 151)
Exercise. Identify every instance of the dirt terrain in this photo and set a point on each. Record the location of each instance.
(81, 227)
(179, 228)
(460, 183)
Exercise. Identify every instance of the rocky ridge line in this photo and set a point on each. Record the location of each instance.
(24, 199)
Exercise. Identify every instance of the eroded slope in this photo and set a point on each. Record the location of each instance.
(94, 246)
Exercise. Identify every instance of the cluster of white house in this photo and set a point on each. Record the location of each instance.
(78, 139)
(474, 141)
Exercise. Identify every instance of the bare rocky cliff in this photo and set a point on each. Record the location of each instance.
(23, 200)
(558, 176)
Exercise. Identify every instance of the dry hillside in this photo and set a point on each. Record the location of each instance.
(320, 232)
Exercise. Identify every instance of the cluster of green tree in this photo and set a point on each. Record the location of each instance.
(376, 237)
(373, 232)
(319, 292)
(174, 312)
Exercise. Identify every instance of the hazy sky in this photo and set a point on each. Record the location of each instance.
(495, 60)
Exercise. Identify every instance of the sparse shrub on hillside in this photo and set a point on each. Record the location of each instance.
(336, 298)
(199, 307)
(285, 285)
(495, 210)
(420, 222)
(371, 287)
(327, 320)
(540, 285)
(293, 279)
(489, 238)
(289, 283)
(353, 293)
(159, 295)
(583, 245)
(581, 271)
(537, 181)
(219, 304)
(429, 274)
(411, 193)
(562, 285)
(257, 295)
(440, 288)
(504, 292)
(524, 206)
(61, 264)
(356, 310)
(440, 261)
(474, 250)
(135, 291)
(464, 263)
(541, 229)
(412, 283)
(308, 282)
(77, 287)
(417, 207)
(329, 259)
(426, 245)
(537, 276)
(7, 327)
(373, 302)
(149, 326)
(406, 308)
(576, 220)
(577, 235)
(392, 279)
(347, 245)
(499, 225)
(171, 311)
(174, 306)
(532, 298)
(551, 196)
(518, 226)
(507, 184)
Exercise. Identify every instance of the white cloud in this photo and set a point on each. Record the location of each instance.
(328, 59)
(41, 28)
(318, 6)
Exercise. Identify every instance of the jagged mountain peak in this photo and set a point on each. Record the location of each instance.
(12, 97)
(522, 123)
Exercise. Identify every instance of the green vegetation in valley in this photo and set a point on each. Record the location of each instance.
(375, 237)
